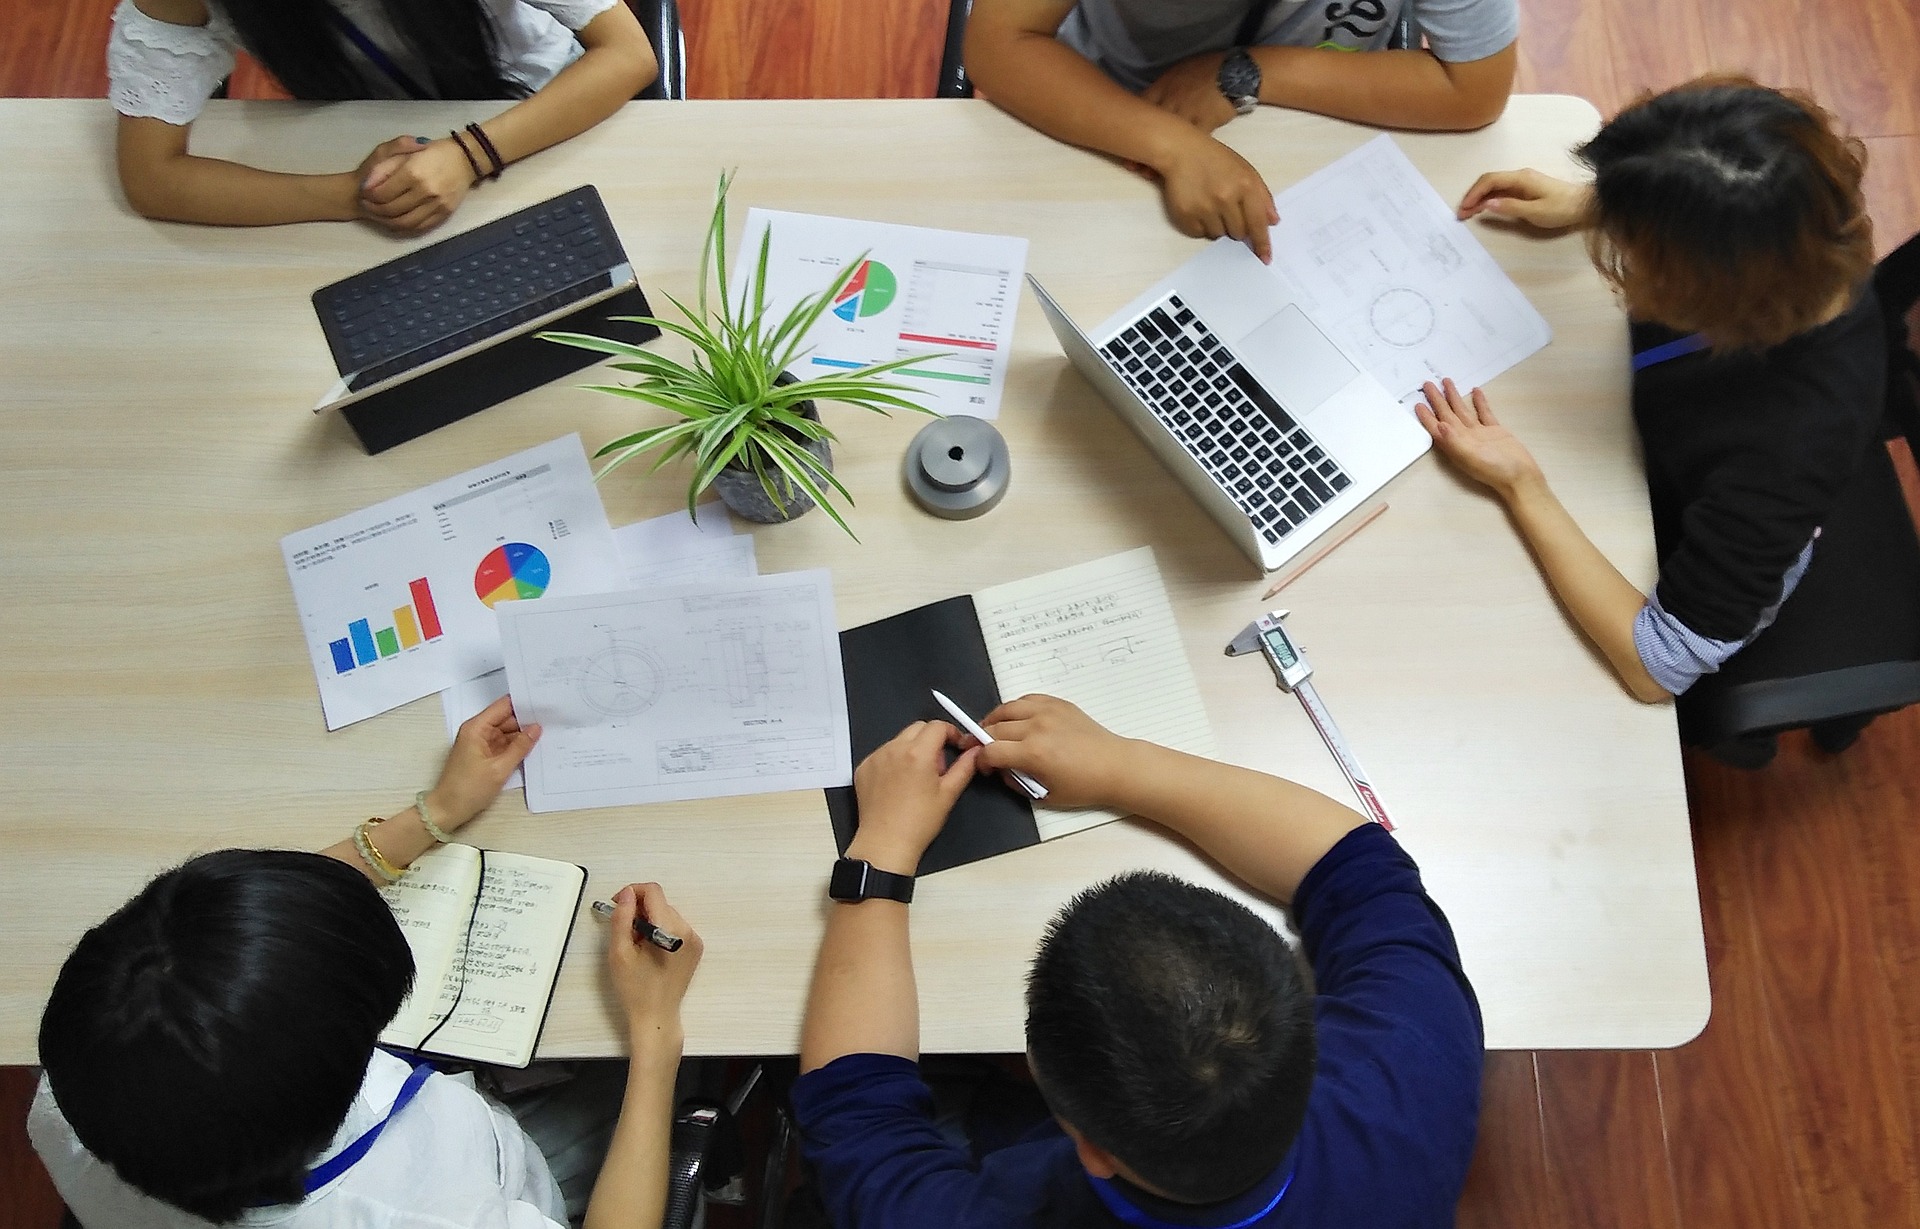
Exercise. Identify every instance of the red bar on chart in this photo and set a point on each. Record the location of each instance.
(423, 602)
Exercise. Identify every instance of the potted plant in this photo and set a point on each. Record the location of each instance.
(749, 426)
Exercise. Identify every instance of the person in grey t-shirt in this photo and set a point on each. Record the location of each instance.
(1148, 81)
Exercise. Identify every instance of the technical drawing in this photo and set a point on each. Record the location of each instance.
(1401, 316)
(621, 681)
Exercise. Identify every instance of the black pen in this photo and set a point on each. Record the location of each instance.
(643, 930)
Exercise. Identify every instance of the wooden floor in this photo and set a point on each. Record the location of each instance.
(1799, 1107)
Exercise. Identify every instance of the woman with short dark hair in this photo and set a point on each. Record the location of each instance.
(1729, 217)
(210, 1048)
(568, 64)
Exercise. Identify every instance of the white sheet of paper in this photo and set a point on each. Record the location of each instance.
(922, 292)
(397, 600)
(667, 550)
(1401, 281)
(1103, 636)
(701, 691)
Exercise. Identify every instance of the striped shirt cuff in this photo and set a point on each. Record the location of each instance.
(1677, 656)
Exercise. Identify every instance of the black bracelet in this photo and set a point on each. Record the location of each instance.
(466, 153)
(479, 134)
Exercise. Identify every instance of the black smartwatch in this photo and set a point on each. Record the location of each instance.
(1239, 80)
(854, 880)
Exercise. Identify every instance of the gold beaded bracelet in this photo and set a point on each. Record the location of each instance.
(426, 821)
(371, 855)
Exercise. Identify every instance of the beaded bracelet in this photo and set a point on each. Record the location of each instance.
(478, 175)
(371, 855)
(426, 821)
(486, 144)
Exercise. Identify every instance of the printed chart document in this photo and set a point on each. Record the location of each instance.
(699, 691)
(495, 977)
(667, 550)
(918, 291)
(398, 600)
(1386, 265)
(1101, 634)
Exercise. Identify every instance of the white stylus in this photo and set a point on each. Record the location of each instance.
(1034, 789)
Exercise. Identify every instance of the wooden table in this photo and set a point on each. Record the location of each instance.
(158, 700)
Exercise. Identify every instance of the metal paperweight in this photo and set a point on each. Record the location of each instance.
(958, 467)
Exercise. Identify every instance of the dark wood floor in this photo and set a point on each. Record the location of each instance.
(1799, 1107)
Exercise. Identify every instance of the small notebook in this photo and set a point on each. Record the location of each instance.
(498, 958)
(1101, 634)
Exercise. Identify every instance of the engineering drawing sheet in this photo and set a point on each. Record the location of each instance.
(1386, 265)
(697, 691)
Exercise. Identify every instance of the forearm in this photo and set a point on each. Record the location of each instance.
(1048, 85)
(208, 190)
(400, 839)
(1602, 601)
(1391, 89)
(585, 92)
(863, 999)
(631, 1191)
(1267, 831)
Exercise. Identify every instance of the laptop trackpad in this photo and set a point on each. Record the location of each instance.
(1294, 359)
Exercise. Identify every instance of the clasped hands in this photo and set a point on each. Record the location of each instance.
(411, 184)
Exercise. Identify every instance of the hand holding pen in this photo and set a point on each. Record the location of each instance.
(650, 978)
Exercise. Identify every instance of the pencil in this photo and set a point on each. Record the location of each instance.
(1354, 525)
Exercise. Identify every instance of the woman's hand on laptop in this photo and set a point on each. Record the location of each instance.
(1466, 433)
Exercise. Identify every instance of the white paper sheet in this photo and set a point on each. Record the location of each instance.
(668, 550)
(1102, 635)
(397, 600)
(923, 292)
(703, 691)
(1400, 280)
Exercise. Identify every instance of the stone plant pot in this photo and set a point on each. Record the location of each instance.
(740, 487)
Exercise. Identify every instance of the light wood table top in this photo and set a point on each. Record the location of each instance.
(155, 381)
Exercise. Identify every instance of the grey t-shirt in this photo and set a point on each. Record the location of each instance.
(1135, 41)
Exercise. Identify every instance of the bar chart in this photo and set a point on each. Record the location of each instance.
(413, 624)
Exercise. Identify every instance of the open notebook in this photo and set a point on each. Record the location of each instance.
(502, 973)
(1100, 634)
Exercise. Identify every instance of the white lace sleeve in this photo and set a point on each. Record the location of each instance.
(159, 70)
(573, 14)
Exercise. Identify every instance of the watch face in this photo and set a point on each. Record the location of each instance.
(849, 880)
(1239, 80)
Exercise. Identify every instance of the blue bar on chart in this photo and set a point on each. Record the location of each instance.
(342, 656)
(362, 634)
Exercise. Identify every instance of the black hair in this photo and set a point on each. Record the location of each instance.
(299, 43)
(1728, 207)
(1171, 1026)
(207, 1040)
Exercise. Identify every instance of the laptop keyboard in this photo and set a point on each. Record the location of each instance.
(1262, 458)
(474, 286)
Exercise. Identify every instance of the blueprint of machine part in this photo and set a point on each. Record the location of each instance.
(1398, 278)
(698, 691)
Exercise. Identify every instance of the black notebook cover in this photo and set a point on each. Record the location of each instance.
(892, 668)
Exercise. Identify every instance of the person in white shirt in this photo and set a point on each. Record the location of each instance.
(210, 1057)
(569, 63)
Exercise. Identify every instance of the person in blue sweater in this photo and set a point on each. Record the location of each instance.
(1195, 1078)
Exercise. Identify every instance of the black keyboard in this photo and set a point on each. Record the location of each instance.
(1264, 460)
(464, 290)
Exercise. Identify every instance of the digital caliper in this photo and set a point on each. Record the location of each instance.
(1267, 635)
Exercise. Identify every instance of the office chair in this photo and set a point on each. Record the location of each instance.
(1846, 647)
(952, 81)
(661, 20)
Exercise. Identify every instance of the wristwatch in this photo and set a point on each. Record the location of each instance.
(854, 880)
(1239, 80)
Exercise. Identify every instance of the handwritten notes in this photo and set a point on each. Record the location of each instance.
(1103, 636)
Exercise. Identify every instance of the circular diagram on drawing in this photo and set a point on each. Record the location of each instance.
(621, 681)
(1401, 317)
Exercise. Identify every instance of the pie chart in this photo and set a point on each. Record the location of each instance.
(867, 293)
(511, 573)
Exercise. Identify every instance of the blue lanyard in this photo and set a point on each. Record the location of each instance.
(343, 1160)
(372, 51)
(1690, 344)
(1118, 1205)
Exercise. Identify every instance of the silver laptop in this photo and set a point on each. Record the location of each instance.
(1271, 425)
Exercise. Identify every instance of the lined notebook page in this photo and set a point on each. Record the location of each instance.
(1102, 635)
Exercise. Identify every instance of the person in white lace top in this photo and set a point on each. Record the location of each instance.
(210, 1048)
(568, 64)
